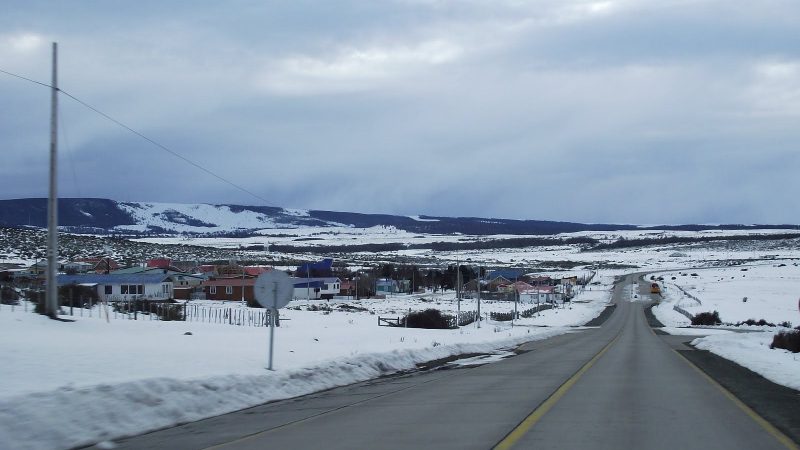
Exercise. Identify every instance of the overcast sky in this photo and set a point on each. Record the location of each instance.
(654, 112)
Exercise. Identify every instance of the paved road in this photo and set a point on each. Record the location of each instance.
(618, 387)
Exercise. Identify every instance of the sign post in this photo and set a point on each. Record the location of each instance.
(273, 290)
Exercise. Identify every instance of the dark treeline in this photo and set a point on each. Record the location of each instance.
(627, 243)
(438, 246)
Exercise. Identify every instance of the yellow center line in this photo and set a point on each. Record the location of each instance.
(768, 427)
(520, 430)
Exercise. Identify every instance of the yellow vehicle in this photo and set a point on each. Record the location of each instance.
(655, 288)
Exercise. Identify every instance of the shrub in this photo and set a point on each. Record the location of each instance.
(8, 296)
(532, 311)
(170, 311)
(706, 318)
(430, 318)
(166, 311)
(502, 317)
(760, 322)
(789, 340)
(321, 307)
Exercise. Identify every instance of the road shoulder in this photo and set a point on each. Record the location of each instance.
(779, 405)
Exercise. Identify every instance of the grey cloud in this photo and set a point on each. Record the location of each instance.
(616, 112)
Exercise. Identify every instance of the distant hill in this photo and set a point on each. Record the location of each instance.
(104, 216)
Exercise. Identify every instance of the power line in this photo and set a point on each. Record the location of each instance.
(151, 141)
(26, 79)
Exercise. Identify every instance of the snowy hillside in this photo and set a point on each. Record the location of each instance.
(98, 216)
(103, 216)
(204, 219)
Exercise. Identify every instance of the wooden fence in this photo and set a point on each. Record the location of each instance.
(530, 312)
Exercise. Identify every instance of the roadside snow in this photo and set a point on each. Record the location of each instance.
(752, 350)
(690, 331)
(73, 384)
(771, 289)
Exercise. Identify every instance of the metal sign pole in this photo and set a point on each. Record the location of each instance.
(273, 290)
(272, 313)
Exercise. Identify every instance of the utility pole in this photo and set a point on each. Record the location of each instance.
(243, 302)
(51, 295)
(478, 282)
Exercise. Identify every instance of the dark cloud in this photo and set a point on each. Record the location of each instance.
(614, 111)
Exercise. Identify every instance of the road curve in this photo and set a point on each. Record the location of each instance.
(618, 387)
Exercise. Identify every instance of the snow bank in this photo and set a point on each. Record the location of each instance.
(72, 384)
(70, 417)
(752, 350)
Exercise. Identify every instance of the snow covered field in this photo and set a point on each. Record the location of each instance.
(92, 380)
(772, 290)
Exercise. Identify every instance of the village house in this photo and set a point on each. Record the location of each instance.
(124, 287)
(498, 284)
(538, 294)
(100, 264)
(229, 289)
(316, 288)
(386, 286)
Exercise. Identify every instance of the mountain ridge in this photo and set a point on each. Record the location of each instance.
(106, 216)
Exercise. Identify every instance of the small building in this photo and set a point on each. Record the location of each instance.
(124, 287)
(229, 289)
(520, 286)
(307, 289)
(100, 264)
(347, 287)
(507, 273)
(386, 286)
(538, 294)
(40, 267)
(181, 279)
(207, 270)
(77, 267)
(540, 280)
(498, 284)
(328, 287)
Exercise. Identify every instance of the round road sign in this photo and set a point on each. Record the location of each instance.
(273, 289)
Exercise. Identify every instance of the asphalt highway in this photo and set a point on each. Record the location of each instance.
(618, 386)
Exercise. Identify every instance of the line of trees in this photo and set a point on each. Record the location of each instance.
(430, 278)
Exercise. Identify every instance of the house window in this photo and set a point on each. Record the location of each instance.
(229, 290)
(212, 290)
(165, 289)
(131, 289)
(108, 289)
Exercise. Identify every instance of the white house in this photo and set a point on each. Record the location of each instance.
(77, 267)
(124, 287)
(316, 288)
(538, 294)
